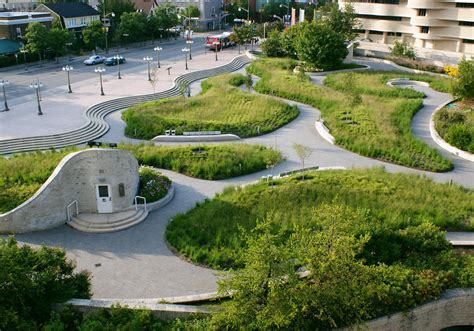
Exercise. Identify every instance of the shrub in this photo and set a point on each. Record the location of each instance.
(32, 281)
(461, 136)
(463, 84)
(455, 124)
(153, 185)
(402, 49)
(272, 45)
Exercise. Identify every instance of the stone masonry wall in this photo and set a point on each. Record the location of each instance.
(75, 178)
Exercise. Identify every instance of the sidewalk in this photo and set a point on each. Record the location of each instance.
(64, 112)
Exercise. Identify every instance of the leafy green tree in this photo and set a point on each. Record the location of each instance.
(302, 151)
(320, 46)
(93, 35)
(343, 21)
(36, 38)
(191, 11)
(57, 39)
(118, 7)
(463, 83)
(32, 281)
(270, 9)
(272, 45)
(288, 38)
(166, 18)
(132, 24)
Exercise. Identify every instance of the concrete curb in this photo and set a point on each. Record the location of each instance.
(393, 82)
(402, 68)
(324, 132)
(325, 73)
(163, 201)
(204, 138)
(442, 143)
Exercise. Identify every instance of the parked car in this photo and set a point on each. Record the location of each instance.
(94, 59)
(112, 61)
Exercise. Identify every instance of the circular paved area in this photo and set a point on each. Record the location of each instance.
(136, 263)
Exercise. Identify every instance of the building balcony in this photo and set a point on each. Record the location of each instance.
(387, 26)
(428, 21)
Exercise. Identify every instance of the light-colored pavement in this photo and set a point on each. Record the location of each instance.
(136, 263)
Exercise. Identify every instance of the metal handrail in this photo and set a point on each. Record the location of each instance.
(144, 202)
(67, 210)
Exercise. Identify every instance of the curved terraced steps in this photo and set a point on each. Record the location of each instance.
(96, 125)
(102, 223)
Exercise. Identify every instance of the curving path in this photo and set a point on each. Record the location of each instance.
(136, 263)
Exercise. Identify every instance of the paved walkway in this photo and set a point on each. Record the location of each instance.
(136, 263)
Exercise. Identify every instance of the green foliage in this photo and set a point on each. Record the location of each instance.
(311, 278)
(167, 16)
(402, 49)
(455, 124)
(206, 162)
(344, 22)
(93, 35)
(320, 46)
(378, 127)
(57, 39)
(463, 84)
(36, 38)
(210, 233)
(272, 45)
(118, 7)
(32, 281)
(220, 107)
(153, 185)
(190, 11)
(132, 24)
(22, 175)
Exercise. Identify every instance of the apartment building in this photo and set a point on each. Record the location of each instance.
(442, 25)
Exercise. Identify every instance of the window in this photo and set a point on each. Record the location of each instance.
(395, 34)
(468, 41)
(466, 23)
(425, 29)
(464, 5)
(376, 32)
(380, 17)
(422, 12)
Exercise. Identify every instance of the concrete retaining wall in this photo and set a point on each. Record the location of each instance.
(442, 143)
(203, 138)
(455, 307)
(74, 179)
(324, 132)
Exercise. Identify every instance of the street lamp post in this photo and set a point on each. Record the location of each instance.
(3, 83)
(190, 43)
(68, 69)
(215, 43)
(246, 10)
(158, 49)
(106, 25)
(22, 50)
(185, 51)
(287, 9)
(37, 85)
(100, 70)
(118, 58)
(148, 59)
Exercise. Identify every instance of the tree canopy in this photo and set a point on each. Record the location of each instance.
(93, 34)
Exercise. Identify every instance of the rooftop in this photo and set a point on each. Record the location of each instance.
(72, 9)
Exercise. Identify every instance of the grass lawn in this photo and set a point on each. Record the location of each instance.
(455, 123)
(22, 175)
(363, 114)
(221, 106)
(210, 233)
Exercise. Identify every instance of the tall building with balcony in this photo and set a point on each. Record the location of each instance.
(442, 25)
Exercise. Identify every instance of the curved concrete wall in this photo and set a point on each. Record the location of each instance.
(455, 307)
(75, 178)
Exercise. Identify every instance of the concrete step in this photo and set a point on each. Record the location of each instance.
(102, 223)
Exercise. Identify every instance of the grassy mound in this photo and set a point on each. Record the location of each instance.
(22, 175)
(455, 123)
(210, 233)
(221, 106)
(364, 115)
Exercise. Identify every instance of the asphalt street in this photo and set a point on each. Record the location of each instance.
(51, 75)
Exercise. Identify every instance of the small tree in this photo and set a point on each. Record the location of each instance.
(132, 24)
(36, 38)
(57, 39)
(272, 45)
(303, 152)
(342, 21)
(320, 46)
(402, 49)
(248, 81)
(93, 35)
(463, 84)
(154, 77)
